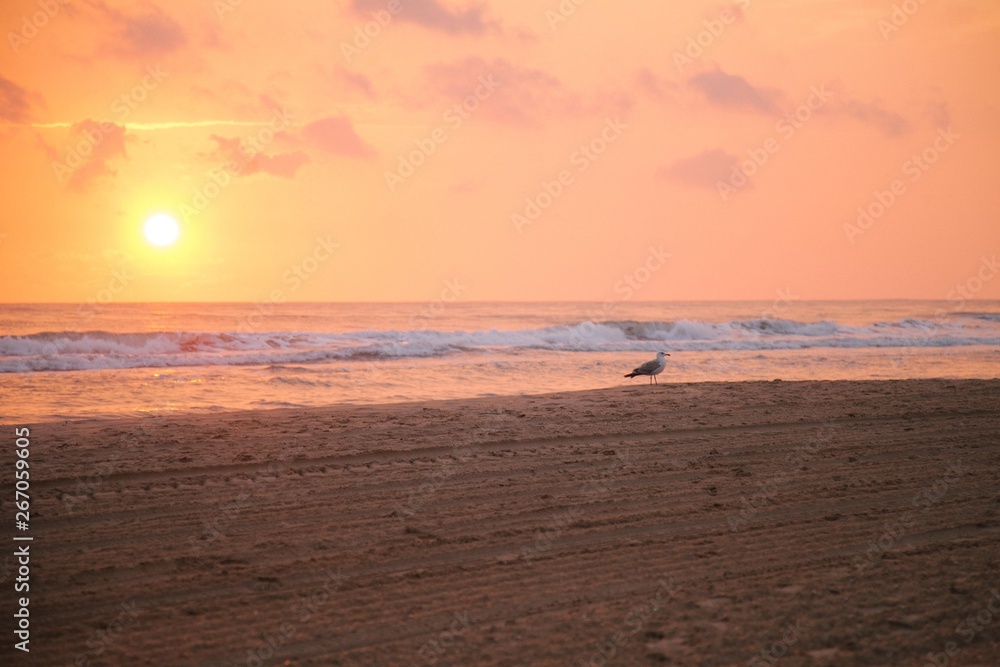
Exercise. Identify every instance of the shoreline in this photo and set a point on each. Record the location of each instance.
(208, 413)
(675, 524)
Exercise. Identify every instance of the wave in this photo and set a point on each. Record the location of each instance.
(989, 317)
(88, 350)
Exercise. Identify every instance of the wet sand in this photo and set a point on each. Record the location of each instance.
(790, 523)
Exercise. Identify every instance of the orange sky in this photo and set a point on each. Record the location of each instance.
(519, 151)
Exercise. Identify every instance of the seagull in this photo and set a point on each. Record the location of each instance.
(651, 368)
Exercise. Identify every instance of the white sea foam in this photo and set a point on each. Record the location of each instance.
(143, 359)
(90, 350)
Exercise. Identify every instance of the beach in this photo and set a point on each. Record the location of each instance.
(319, 323)
(792, 523)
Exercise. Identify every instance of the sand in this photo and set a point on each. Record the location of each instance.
(813, 523)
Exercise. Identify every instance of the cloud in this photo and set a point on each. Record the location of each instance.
(333, 135)
(655, 86)
(354, 82)
(14, 101)
(737, 11)
(238, 100)
(285, 165)
(148, 32)
(939, 114)
(246, 160)
(99, 142)
(496, 90)
(336, 135)
(888, 122)
(704, 170)
(735, 92)
(431, 14)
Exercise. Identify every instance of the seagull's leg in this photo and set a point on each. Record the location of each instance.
(655, 380)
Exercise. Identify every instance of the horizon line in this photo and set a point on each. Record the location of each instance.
(486, 301)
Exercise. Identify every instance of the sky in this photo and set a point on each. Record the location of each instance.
(407, 150)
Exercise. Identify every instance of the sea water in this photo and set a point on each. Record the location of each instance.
(61, 361)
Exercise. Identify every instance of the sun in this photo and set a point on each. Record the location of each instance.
(161, 230)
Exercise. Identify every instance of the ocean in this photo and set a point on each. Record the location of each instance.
(60, 361)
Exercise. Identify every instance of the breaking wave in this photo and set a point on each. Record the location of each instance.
(90, 350)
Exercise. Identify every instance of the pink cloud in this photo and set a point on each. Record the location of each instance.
(336, 135)
(939, 113)
(96, 144)
(498, 90)
(354, 82)
(285, 165)
(247, 159)
(433, 15)
(143, 33)
(888, 122)
(734, 91)
(333, 135)
(655, 86)
(14, 101)
(704, 170)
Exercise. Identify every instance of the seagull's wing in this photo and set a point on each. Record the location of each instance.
(648, 367)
